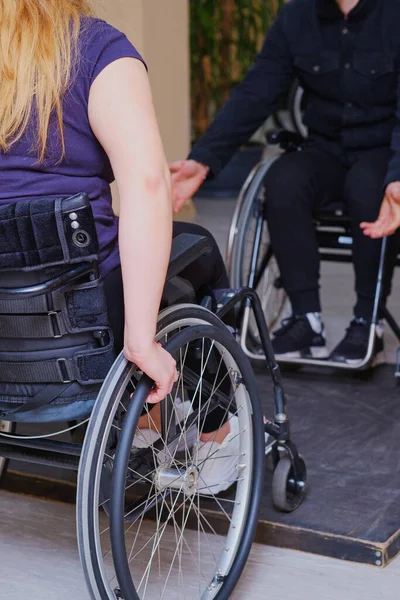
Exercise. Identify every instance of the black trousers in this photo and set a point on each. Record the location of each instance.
(207, 272)
(300, 183)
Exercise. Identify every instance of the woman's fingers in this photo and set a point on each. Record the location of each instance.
(162, 389)
(166, 379)
(157, 395)
(160, 366)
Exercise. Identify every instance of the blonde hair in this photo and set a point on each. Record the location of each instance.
(38, 42)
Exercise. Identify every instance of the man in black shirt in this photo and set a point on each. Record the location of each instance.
(346, 55)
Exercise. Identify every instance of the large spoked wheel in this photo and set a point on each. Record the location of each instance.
(267, 279)
(5, 427)
(296, 103)
(159, 485)
(250, 182)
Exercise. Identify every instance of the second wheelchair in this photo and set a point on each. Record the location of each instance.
(251, 261)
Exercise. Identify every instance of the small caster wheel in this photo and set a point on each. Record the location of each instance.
(287, 494)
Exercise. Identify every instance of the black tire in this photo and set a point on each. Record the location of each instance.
(296, 109)
(273, 298)
(206, 325)
(287, 494)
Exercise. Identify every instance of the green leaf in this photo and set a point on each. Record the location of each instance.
(215, 70)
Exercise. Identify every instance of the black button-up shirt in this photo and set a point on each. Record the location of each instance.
(349, 69)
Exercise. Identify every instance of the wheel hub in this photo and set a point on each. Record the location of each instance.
(184, 480)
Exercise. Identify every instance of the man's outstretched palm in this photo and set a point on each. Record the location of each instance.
(187, 177)
(389, 217)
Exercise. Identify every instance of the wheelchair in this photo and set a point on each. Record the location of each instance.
(147, 523)
(289, 117)
(250, 257)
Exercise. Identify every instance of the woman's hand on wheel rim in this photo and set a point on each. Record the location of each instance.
(159, 365)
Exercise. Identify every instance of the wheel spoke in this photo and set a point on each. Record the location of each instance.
(157, 540)
(173, 558)
(201, 516)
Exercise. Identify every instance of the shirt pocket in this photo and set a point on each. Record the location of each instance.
(317, 65)
(373, 64)
(375, 81)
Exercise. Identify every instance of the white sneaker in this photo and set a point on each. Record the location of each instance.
(217, 463)
(147, 437)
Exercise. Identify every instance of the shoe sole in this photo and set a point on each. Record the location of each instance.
(314, 352)
(379, 359)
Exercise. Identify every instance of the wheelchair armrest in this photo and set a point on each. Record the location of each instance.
(186, 248)
(287, 140)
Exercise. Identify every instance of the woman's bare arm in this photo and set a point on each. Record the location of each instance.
(123, 119)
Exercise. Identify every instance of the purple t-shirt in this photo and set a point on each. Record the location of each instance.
(85, 167)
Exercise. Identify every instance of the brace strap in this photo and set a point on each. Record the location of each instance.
(45, 396)
(85, 368)
(32, 326)
(26, 306)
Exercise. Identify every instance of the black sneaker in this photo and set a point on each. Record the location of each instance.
(301, 336)
(354, 346)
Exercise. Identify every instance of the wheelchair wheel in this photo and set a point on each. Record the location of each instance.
(5, 427)
(267, 284)
(296, 102)
(233, 229)
(287, 494)
(158, 540)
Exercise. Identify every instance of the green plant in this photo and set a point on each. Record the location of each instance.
(225, 37)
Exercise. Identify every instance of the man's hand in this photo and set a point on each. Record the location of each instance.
(389, 217)
(187, 177)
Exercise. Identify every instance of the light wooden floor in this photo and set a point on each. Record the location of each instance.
(39, 561)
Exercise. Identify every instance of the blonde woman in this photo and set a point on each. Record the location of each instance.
(75, 113)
